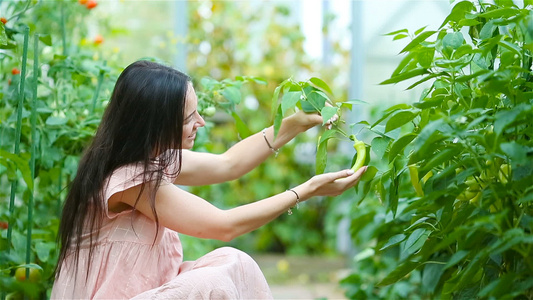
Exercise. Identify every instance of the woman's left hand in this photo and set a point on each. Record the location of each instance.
(308, 120)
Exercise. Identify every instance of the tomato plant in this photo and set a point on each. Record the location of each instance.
(465, 229)
(49, 111)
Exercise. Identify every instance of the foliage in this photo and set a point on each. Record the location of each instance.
(453, 169)
(62, 98)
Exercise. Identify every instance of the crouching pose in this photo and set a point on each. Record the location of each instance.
(124, 210)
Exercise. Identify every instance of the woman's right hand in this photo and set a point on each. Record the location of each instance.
(329, 184)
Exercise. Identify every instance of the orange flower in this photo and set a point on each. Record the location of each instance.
(91, 4)
(98, 39)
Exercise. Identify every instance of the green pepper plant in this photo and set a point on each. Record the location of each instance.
(453, 168)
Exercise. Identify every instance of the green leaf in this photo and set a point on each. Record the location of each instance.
(458, 12)
(399, 37)
(21, 164)
(3, 36)
(255, 79)
(321, 157)
(307, 107)
(424, 79)
(487, 30)
(399, 273)
(398, 107)
(468, 22)
(453, 40)
(417, 40)
(315, 100)
(399, 119)
(393, 195)
(321, 84)
(232, 93)
(327, 113)
(505, 12)
(379, 146)
(405, 76)
(289, 100)
(456, 257)
(56, 121)
(370, 173)
(242, 128)
(399, 145)
(439, 158)
(46, 39)
(43, 249)
(512, 47)
(418, 31)
(504, 118)
(397, 31)
(277, 121)
(425, 57)
(416, 240)
(406, 61)
(275, 98)
(394, 240)
(431, 275)
(516, 152)
(321, 153)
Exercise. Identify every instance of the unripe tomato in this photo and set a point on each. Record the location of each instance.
(3, 20)
(98, 39)
(82, 2)
(91, 4)
(15, 71)
(35, 274)
(209, 111)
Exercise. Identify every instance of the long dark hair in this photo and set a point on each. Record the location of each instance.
(144, 119)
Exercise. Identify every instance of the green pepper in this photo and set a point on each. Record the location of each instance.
(360, 147)
(413, 172)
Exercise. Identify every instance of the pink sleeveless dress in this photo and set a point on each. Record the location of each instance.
(126, 264)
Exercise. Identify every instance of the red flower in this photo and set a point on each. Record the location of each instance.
(91, 4)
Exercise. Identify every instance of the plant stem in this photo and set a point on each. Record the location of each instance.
(33, 148)
(59, 184)
(98, 87)
(18, 132)
(63, 29)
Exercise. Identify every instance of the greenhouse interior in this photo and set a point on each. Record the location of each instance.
(394, 154)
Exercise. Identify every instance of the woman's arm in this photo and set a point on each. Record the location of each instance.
(206, 168)
(188, 214)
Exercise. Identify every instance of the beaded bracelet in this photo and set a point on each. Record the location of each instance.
(276, 151)
(297, 201)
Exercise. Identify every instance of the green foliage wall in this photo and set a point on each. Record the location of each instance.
(53, 89)
(452, 215)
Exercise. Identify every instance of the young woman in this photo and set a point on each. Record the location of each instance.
(121, 219)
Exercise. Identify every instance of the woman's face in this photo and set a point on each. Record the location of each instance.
(192, 119)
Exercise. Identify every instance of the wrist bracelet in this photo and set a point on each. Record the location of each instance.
(297, 201)
(276, 151)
